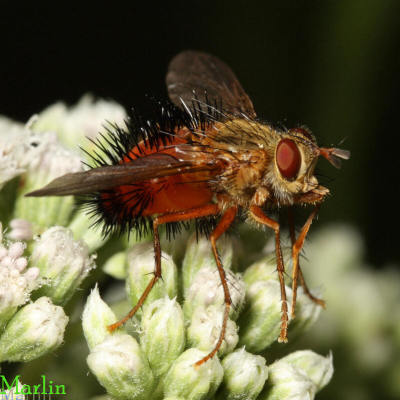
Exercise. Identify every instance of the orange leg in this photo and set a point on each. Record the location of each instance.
(296, 248)
(258, 214)
(210, 209)
(222, 226)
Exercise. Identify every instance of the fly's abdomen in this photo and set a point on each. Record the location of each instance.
(160, 195)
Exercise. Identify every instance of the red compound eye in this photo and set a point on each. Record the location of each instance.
(288, 158)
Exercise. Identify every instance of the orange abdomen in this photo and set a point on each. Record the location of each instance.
(159, 195)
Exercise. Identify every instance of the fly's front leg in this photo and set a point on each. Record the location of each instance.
(209, 209)
(258, 215)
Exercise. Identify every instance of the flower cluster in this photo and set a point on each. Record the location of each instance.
(48, 254)
(154, 356)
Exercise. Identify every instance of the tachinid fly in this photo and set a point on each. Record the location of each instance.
(206, 158)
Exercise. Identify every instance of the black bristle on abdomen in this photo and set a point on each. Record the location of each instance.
(116, 142)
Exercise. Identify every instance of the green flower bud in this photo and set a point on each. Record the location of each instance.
(261, 320)
(140, 271)
(299, 375)
(199, 255)
(50, 161)
(115, 266)
(205, 328)
(163, 334)
(191, 382)
(16, 281)
(317, 368)
(287, 382)
(121, 368)
(95, 319)
(307, 312)
(82, 228)
(265, 269)
(244, 376)
(63, 261)
(33, 331)
(206, 290)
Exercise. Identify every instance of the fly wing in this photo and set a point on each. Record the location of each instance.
(196, 76)
(103, 178)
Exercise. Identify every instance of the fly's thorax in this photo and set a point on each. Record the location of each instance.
(241, 134)
(242, 176)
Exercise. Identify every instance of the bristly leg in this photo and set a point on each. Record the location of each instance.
(209, 209)
(259, 216)
(224, 223)
(296, 248)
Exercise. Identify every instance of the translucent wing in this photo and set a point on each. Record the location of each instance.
(196, 75)
(103, 178)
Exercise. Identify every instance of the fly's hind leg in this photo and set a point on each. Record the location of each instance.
(154, 279)
(297, 245)
(210, 209)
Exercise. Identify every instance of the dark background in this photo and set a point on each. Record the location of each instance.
(332, 65)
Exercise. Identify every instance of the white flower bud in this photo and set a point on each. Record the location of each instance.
(82, 121)
(287, 382)
(95, 319)
(299, 375)
(188, 381)
(206, 290)
(205, 328)
(33, 331)
(317, 368)
(63, 261)
(21, 229)
(140, 271)
(121, 368)
(199, 255)
(260, 322)
(163, 334)
(16, 282)
(12, 140)
(244, 376)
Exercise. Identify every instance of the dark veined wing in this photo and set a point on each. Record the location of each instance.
(195, 75)
(103, 178)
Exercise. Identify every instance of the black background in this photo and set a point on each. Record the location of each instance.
(332, 65)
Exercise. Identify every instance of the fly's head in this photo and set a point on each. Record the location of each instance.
(291, 174)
